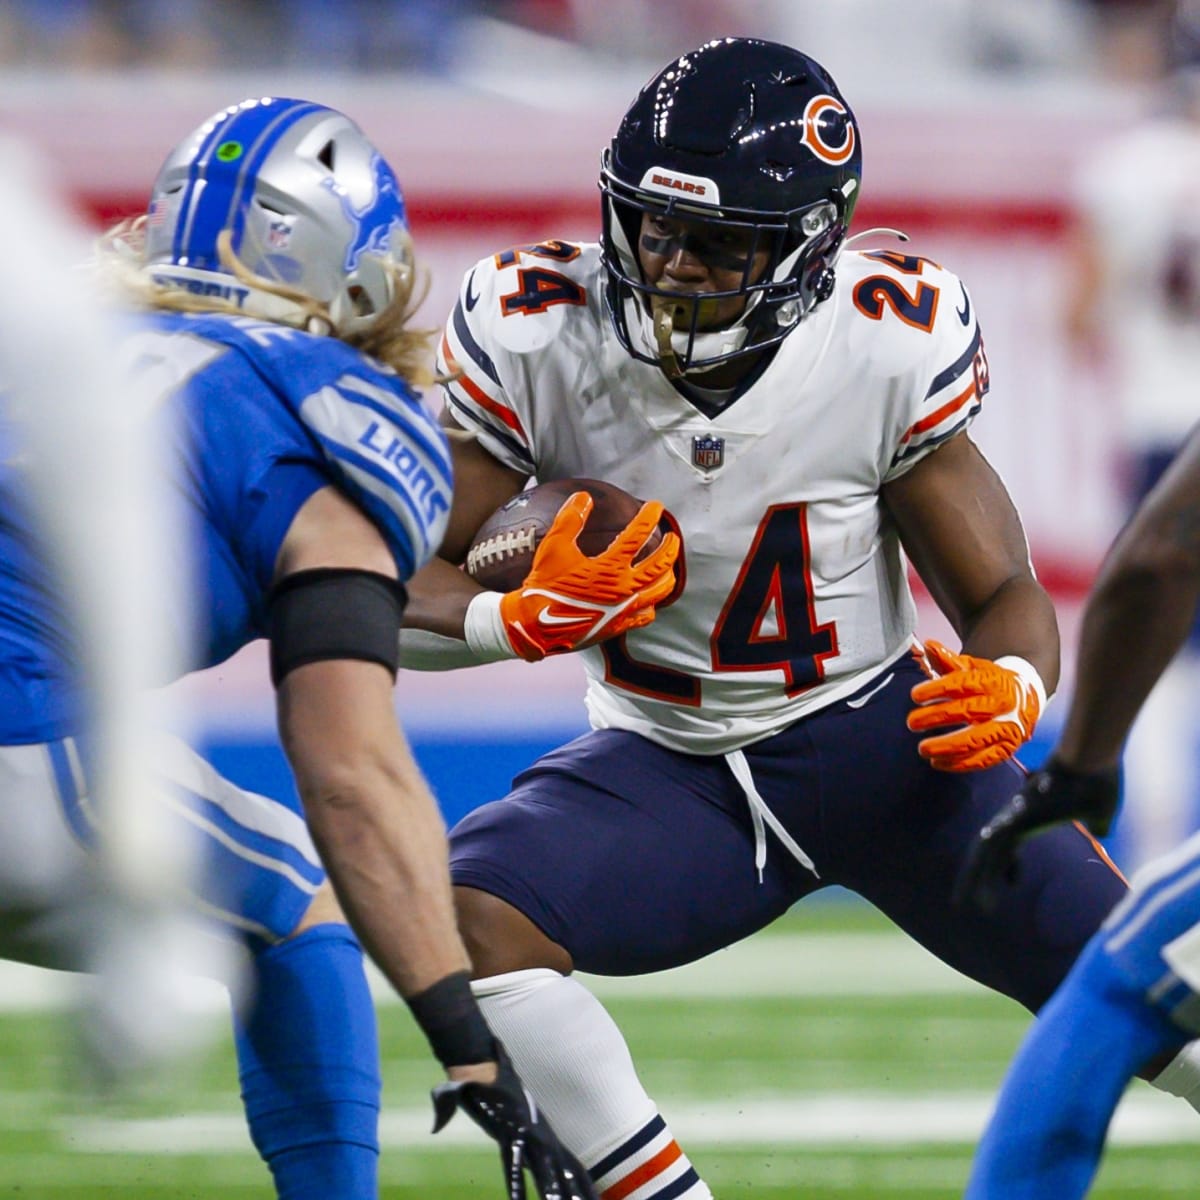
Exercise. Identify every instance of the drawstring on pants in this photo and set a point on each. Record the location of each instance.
(761, 816)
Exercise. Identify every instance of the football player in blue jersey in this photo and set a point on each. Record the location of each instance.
(1134, 994)
(76, 466)
(269, 287)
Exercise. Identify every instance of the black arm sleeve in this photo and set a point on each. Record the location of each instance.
(332, 613)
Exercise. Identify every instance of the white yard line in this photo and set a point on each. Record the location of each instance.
(801, 964)
(783, 964)
(1145, 1118)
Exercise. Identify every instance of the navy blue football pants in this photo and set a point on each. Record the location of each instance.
(636, 858)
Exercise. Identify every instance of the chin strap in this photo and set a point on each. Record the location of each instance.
(667, 311)
(663, 313)
(866, 233)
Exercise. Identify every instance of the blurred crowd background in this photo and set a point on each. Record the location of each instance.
(1125, 39)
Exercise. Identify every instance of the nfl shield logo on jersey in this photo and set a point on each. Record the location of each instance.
(708, 452)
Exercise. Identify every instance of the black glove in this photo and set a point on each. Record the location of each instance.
(1048, 797)
(504, 1110)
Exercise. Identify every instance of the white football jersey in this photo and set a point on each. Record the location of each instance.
(794, 590)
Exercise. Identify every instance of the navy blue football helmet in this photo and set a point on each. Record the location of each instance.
(745, 134)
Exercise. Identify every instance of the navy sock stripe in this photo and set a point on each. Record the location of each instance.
(677, 1187)
(647, 1133)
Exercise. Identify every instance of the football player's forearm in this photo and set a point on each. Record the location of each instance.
(438, 595)
(1018, 620)
(1134, 625)
(1140, 612)
(424, 651)
(433, 637)
(372, 818)
(382, 841)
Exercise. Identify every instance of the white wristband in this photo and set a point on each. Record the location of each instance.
(484, 631)
(424, 651)
(1027, 673)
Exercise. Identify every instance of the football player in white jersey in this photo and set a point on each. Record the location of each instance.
(802, 411)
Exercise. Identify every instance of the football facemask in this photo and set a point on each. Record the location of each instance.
(685, 334)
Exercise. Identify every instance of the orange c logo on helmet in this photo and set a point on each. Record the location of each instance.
(814, 135)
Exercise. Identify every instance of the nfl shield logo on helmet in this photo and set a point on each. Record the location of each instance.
(279, 233)
(708, 453)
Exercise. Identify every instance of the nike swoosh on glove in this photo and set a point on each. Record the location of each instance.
(570, 600)
(997, 704)
(1049, 797)
(506, 1112)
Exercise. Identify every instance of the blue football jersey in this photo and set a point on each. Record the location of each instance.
(38, 697)
(259, 417)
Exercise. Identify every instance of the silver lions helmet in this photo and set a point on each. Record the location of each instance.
(310, 206)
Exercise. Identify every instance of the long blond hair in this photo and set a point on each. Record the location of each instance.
(389, 339)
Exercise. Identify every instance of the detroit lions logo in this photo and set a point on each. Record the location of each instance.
(376, 221)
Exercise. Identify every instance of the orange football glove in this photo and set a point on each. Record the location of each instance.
(570, 600)
(997, 703)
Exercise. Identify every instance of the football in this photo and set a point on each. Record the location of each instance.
(502, 552)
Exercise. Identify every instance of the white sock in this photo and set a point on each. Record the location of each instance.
(1181, 1076)
(572, 1057)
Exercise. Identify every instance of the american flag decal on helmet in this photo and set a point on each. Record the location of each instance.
(708, 452)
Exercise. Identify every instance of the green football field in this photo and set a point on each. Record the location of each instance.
(827, 1057)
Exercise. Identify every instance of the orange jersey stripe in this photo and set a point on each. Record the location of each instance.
(480, 396)
(448, 355)
(936, 418)
(643, 1174)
